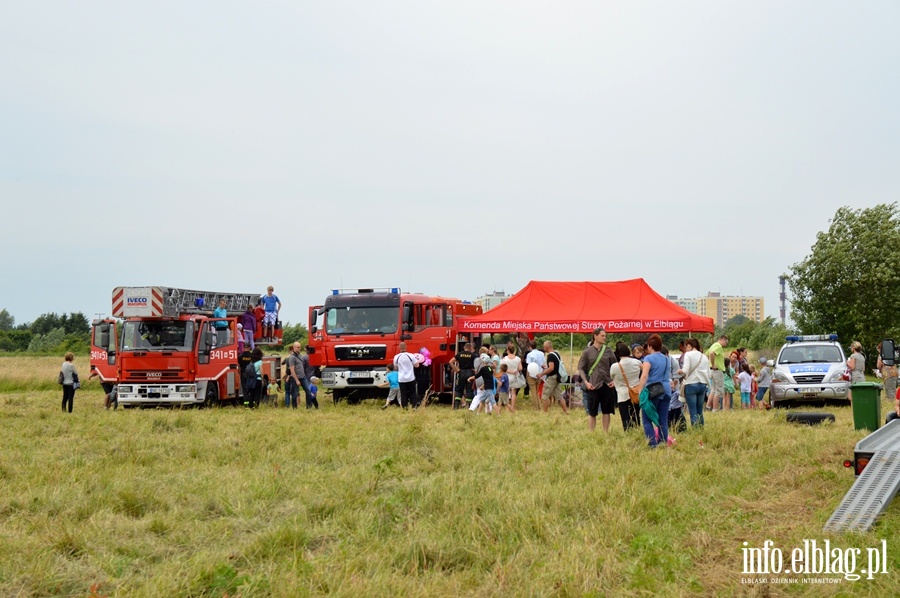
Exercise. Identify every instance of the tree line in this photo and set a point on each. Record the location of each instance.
(49, 333)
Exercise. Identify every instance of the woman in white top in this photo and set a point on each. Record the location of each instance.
(695, 386)
(625, 373)
(514, 372)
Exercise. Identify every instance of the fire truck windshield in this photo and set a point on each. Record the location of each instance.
(362, 320)
(158, 335)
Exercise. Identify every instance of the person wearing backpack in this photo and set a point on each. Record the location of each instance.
(554, 375)
(593, 367)
(252, 378)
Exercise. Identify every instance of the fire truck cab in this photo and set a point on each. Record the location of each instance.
(355, 334)
(164, 347)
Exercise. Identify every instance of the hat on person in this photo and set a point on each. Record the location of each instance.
(763, 360)
(240, 325)
(636, 345)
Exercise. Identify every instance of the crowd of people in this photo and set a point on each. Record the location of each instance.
(646, 386)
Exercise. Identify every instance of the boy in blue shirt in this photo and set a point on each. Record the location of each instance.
(272, 305)
(393, 381)
(221, 326)
(313, 391)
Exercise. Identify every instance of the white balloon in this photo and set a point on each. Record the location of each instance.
(533, 370)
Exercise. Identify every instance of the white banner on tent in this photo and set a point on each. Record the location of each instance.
(577, 327)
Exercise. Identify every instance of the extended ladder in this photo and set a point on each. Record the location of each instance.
(875, 487)
(187, 301)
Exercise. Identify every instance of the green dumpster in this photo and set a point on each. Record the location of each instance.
(866, 405)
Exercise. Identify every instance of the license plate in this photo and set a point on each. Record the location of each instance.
(360, 375)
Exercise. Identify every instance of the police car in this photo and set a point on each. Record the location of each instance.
(810, 368)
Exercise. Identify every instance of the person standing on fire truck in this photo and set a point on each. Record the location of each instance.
(273, 306)
(248, 320)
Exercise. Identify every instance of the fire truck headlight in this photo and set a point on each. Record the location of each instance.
(186, 388)
(125, 389)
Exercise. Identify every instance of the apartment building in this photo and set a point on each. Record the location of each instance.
(722, 308)
(491, 300)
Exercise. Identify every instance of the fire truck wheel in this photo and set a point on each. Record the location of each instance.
(337, 394)
(212, 395)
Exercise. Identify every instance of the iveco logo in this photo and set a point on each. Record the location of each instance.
(137, 301)
(154, 374)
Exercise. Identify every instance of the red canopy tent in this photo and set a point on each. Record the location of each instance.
(618, 306)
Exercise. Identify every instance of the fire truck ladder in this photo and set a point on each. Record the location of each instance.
(875, 487)
(204, 302)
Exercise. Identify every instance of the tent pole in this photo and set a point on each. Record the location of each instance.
(571, 343)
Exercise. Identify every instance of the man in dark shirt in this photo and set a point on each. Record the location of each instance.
(463, 364)
(593, 367)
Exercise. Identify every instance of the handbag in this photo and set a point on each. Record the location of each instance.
(518, 381)
(655, 390)
(61, 378)
(633, 394)
(75, 382)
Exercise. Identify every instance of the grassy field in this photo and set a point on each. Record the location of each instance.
(353, 500)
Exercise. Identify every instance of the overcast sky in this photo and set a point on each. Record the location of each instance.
(450, 148)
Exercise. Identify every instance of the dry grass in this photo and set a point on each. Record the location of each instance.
(352, 500)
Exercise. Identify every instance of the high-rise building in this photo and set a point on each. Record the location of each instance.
(722, 308)
(491, 300)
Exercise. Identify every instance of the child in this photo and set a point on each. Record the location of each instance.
(729, 381)
(754, 388)
(746, 381)
(240, 338)
(272, 391)
(677, 421)
(484, 382)
(393, 382)
(503, 390)
(112, 398)
(314, 391)
(765, 379)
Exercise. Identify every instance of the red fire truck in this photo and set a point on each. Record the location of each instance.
(356, 334)
(164, 347)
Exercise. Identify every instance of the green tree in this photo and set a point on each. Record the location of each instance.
(849, 281)
(77, 323)
(14, 340)
(7, 322)
(47, 342)
(294, 333)
(44, 323)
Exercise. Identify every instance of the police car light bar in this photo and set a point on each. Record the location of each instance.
(811, 337)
